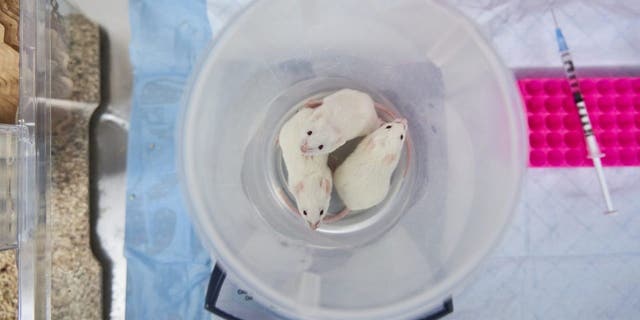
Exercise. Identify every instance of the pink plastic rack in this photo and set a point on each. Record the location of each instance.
(555, 135)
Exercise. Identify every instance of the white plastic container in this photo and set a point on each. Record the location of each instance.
(404, 257)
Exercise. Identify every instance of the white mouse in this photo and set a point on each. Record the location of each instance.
(309, 177)
(362, 180)
(336, 119)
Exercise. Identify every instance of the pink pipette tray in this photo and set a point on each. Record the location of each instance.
(555, 134)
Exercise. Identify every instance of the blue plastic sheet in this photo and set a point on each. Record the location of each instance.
(167, 268)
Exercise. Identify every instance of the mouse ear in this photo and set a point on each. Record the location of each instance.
(298, 187)
(369, 143)
(326, 185)
(389, 159)
(313, 103)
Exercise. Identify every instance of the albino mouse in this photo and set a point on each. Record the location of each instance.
(309, 177)
(336, 119)
(362, 180)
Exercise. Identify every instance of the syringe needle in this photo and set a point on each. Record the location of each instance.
(554, 18)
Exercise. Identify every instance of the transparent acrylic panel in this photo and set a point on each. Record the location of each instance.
(8, 185)
(33, 169)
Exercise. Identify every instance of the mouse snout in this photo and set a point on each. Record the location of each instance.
(304, 147)
(313, 226)
(401, 121)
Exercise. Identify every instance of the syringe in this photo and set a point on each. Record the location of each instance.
(592, 145)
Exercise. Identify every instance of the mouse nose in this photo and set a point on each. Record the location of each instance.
(402, 121)
(313, 226)
(304, 147)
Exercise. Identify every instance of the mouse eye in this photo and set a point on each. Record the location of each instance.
(401, 136)
(304, 212)
(321, 212)
(389, 127)
(320, 147)
(309, 132)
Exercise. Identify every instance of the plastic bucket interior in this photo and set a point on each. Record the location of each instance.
(400, 259)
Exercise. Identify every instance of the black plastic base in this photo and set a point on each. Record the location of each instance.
(217, 279)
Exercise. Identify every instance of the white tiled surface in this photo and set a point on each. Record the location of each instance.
(599, 32)
(562, 258)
